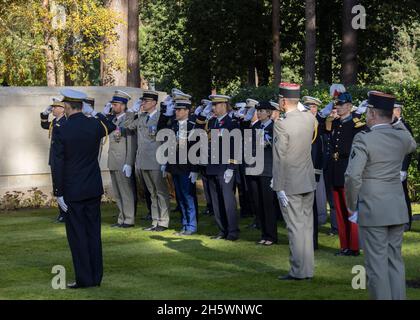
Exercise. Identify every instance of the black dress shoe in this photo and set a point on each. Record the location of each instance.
(116, 225)
(125, 225)
(232, 238)
(160, 228)
(60, 219)
(353, 253)
(151, 228)
(289, 277)
(342, 252)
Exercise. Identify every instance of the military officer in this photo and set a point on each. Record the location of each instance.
(294, 179)
(312, 104)
(78, 184)
(260, 189)
(221, 173)
(398, 120)
(146, 125)
(375, 196)
(121, 157)
(184, 173)
(342, 127)
(57, 109)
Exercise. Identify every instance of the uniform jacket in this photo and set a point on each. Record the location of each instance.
(372, 179)
(293, 171)
(146, 127)
(77, 175)
(122, 145)
(45, 124)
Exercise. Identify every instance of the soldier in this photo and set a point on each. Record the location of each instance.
(146, 125)
(202, 169)
(342, 127)
(57, 109)
(375, 197)
(294, 179)
(312, 104)
(398, 120)
(121, 157)
(184, 174)
(221, 176)
(78, 184)
(260, 183)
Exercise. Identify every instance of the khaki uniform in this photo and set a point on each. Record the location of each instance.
(373, 188)
(293, 173)
(147, 166)
(122, 150)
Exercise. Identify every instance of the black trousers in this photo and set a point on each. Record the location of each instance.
(83, 228)
(263, 197)
(206, 189)
(245, 201)
(224, 205)
(408, 202)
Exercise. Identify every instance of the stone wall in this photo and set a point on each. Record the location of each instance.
(24, 145)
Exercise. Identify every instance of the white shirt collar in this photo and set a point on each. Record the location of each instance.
(253, 123)
(120, 116)
(266, 124)
(182, 122)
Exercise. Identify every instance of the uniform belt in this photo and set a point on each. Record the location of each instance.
(336, 156)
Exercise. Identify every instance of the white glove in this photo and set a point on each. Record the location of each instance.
(127, 170)
(403, 175)
(361, 109)
(62, 204)
(240, 113)
(271, 183)
(193, 177)
(228, 175)
(250, 114)
(88, 110)
(207, 110)
(170, 109)
(198, 110)
(163, 170)
(325, 112)
(107, 108)
(47, 110)
(136, 107)
(284, 201)
(353, 216)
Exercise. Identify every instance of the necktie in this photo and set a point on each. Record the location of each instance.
(147, 118)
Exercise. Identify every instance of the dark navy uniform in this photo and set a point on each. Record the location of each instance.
(222, 194)
(260, 189)
(77, 178)
(185, 190)
(51, 126)
(342, 132)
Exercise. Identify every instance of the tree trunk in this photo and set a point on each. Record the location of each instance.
(114, 60)
(133, 77)
(58, 60)
(325, 41)
(49, 54)
(349, 46)
(276, 41)
(310, 47)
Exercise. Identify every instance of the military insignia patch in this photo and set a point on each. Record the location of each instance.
(353, 154)
(275, 140)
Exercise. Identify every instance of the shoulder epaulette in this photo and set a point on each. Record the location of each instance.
(358, 123)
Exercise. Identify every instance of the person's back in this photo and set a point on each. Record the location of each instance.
(81, 137)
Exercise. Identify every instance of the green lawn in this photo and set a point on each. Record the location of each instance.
(150, 265)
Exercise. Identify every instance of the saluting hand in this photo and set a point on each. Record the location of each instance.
(47, 111)
(107, 108)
